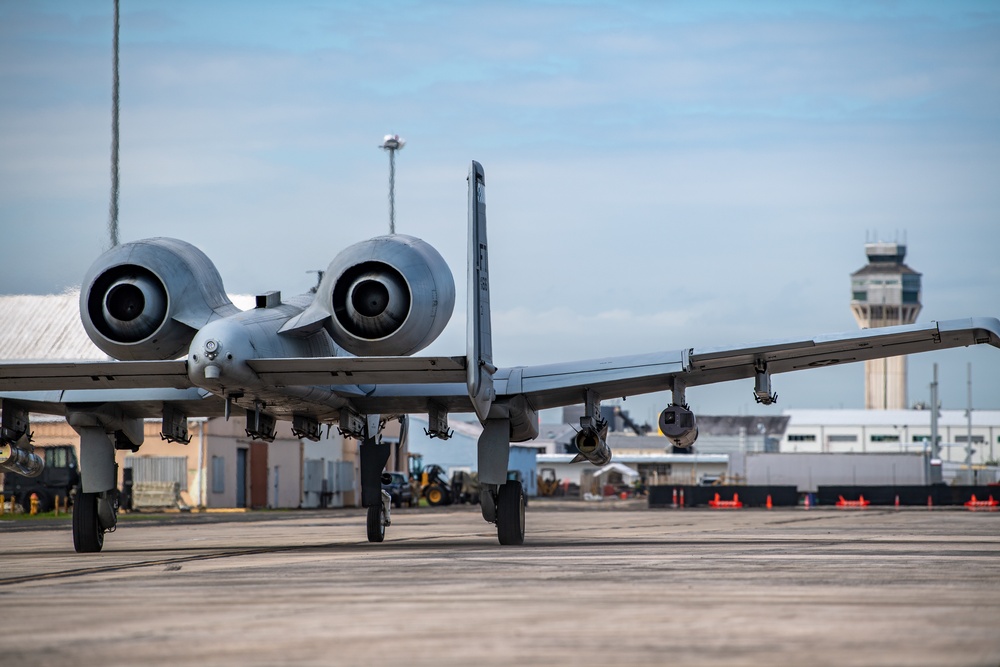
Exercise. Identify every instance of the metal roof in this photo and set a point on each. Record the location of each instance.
(48, 327)
(882, 268)
(44, 326)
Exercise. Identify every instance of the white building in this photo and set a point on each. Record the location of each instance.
(893, 431)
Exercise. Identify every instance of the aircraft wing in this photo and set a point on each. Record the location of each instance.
(324, 371)
(411, 384)
(554, 385)
(359, 370)
(722, 364)
(72, 375)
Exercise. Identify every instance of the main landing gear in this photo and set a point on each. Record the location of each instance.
(503, 505)
(510, 513)
(93, 515)
(379, 519)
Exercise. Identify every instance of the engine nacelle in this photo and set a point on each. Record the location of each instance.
(20, 461)
(387, 296)
(678, 424)
(593, 446)
(147, 299)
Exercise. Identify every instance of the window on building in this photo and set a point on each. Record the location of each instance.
(975, 439)
(218, 474)
(877, 437)
(843, 438)
(801, 437)
(921, 438)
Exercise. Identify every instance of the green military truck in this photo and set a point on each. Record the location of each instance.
(60, 478)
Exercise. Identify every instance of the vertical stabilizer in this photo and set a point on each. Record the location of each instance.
(479, 350)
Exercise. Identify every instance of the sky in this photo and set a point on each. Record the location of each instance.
(659, 175)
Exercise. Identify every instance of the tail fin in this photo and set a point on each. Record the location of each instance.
(479, 346)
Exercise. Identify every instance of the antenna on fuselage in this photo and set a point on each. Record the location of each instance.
(319, 280)
(392, 143)
(113, 208)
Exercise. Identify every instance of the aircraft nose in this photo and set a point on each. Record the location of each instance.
(218, 353)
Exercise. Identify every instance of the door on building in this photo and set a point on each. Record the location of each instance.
(241, 478)
(258, 474)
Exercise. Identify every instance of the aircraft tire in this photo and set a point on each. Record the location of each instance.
(510, 513)
(88, 536)
(376, 529)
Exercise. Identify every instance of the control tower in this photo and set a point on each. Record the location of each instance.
(885, 293)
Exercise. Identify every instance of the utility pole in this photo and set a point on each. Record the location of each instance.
(392, 143)
(968, 433)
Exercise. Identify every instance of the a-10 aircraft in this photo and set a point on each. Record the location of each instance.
(344, 356)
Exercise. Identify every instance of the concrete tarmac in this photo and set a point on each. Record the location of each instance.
(595, 584)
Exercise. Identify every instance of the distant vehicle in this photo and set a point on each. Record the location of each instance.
(400, 490)
(60, 478)
(434, 486)
(548, 484)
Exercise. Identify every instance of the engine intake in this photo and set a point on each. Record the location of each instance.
(371, 300)
(146, 300)
(133, 306)
(387, 296)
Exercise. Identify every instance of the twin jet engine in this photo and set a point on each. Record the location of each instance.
(387, 296)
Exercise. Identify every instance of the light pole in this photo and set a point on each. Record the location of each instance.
(392, 143)
(113, 206)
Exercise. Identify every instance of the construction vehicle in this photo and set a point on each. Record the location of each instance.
(548, 485)
(431, 482)
(434, 486)
(59, 479)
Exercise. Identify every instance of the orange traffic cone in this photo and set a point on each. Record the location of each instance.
(807, 501)
(897, 501)
(769, 501)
